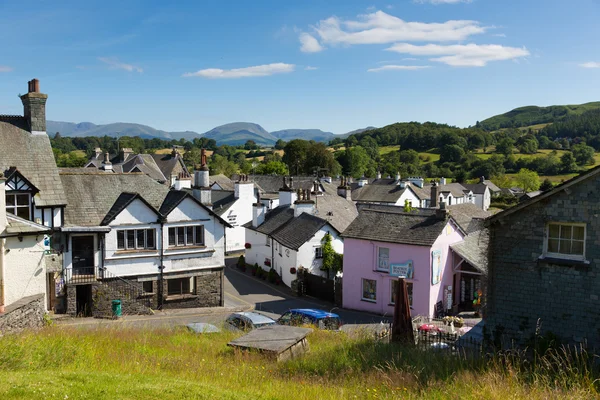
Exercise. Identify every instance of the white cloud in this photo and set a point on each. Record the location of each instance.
(309, 68)
(309, 43)
(398, 68)
(114, 63)
(380, 27)
(499, 35)
(590, 64)
(458, 55)
(442, 1)
(5, 68)
(247, 72)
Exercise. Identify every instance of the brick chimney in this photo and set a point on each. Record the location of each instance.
(201, 190)
(442, 212)
(34, 108)
(435, 195)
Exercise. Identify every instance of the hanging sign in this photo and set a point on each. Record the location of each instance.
(402, 270)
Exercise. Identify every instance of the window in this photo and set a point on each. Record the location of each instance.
(191, 235)
(147, 286)
(132, 239)
(19, 204)
(566, 240)
(318, 252)
(178, 286)
(383, 259)
(394, 287)
(369, 290)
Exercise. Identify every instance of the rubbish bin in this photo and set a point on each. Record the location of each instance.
(116, 308)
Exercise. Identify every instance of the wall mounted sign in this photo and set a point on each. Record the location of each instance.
(436, 267)
(402, 270)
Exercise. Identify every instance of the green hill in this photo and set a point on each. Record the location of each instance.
(533, 115)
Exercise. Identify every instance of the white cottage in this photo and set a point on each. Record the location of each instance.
(289, 237)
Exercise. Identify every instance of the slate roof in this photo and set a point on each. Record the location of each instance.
(18, 226)
(93, 194)
(175, 197)
(385, 193)
(474, 249)
(492, 186)
(456, 189)
(222, 200)
(274, 220)
(224, 182)
(167, 162)
(476, 188)
(272, 183)
(390, 224)
(468, 216)
(147, 164)
(423, 193)
(298, 231)
(33, 157)
(338, 211)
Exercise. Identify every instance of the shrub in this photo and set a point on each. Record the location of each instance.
(241, 262)
(272, 275)
(255, 269)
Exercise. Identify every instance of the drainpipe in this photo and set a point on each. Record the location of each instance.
(2, 242)
(161, 267)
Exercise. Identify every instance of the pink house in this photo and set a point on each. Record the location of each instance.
(384, 243)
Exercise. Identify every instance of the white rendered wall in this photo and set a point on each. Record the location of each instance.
(24, 268)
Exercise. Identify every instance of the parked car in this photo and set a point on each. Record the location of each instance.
(201, 327)
(246, 321)
(304, 316)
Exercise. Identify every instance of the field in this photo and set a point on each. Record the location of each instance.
(134, 364)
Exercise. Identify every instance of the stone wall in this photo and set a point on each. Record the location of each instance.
(208, 291)
(27, 313)
(103, 295)
(524, 288)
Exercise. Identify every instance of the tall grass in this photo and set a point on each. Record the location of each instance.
(145, 364)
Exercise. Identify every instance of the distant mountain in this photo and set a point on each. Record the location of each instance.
(117, 129)
(345, 135)
(307, 134)
(237, 133)
(533, 115)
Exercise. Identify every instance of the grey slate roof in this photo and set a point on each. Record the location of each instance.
(33, 157)
(272, 183)
(93, 194)
(298, 230)
(224, 182)
(222, 200)
(390, 224)
(17, 226)
(274, 220)
(384, 193)
(468, 216)
(167, 163)
(456, 189)
(492, 186)
(474, 249)
(338, 211)
(476, 188)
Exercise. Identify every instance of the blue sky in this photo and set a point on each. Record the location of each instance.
(332, 65)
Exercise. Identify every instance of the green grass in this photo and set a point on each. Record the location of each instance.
(145, 364)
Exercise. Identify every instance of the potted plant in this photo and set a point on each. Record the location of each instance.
(248, 246)
(293, 270)
(254, 269)
(268, 263)
(241, 263)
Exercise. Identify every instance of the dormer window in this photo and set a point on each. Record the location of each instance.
(19, 204)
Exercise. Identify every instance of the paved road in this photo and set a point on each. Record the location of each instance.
(242, 292)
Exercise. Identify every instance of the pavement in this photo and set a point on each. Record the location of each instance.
(243, 292)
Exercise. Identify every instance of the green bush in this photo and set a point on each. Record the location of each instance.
(272, 277)
(241, 262)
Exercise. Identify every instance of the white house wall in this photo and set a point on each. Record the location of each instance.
(24, 268)
(237, 215)
(68, 255)
(135, 213)
(282, 263)
(410, 196)
(258, 251)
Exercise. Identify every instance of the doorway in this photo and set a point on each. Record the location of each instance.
(83, 300)
(83, 255)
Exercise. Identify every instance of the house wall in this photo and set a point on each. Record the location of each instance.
(259, 251)
(360, 261)
(283, 263)
(487, 199)
(238, 214)
(410, 196)
(306, 253)
(24, 268)
(523, 289)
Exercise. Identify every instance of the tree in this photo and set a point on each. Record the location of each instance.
(546, 185)
(192, 158)
(332, 261)
(452, 153)
(280, 144)
(528, 145)
(356, 162)
(505, 146)
(220, 165)
(295, 155)
(528, 180)
(584, 155)
(272, 168)
(251, 145)
(567, 162)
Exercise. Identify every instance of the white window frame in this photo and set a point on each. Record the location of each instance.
(194, 242)
(379, 259)
(549, 254)
(13, 209)
(362, 290)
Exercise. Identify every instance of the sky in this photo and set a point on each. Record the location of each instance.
(330, 65)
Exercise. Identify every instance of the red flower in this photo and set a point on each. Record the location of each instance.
(248, 246)
(292, 270)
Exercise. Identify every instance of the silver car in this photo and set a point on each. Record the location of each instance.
(246, 321)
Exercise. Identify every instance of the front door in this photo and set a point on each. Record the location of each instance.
(83, 255)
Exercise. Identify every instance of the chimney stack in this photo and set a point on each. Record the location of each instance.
(435, 195)
(201, 190)
(287, 196)
(344, 189)
(98, 152)
(398, 177)
(258, 212)
(34, 108)
(243, 188)
(106, 164)
(442, 212)
(125, 153)
(482, 179)
(378, 174)
(304, 204)
(442, 181)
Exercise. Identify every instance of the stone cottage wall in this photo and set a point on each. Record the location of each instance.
(208, 291)
(27, 313)
(524, 289)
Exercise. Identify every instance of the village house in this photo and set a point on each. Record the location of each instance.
(544, 266)
(32, 203)
(290, 236)
(168, 169)
(397, 192)
(131, 238)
